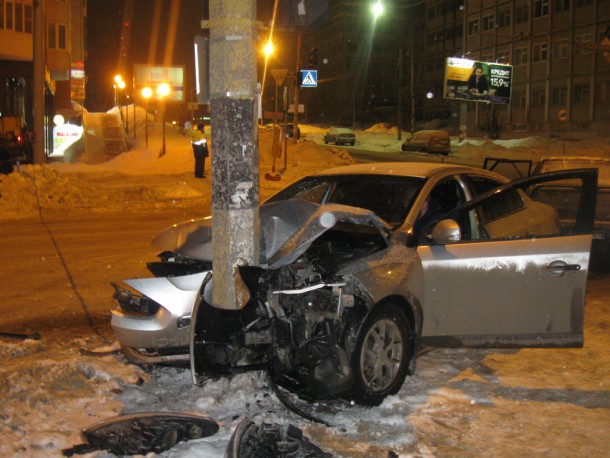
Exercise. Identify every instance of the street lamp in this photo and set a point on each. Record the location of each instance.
(117, 79)
(163, 91)
(377, 9)
(147, 94)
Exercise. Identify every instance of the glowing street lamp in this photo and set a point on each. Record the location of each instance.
(268, 49)
(118, 84)
(377, 9)
(163, 90)
(147, 94)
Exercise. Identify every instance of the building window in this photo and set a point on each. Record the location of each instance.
(51, 36)
(503, 56)
(1, 14)
(487, 57)
(61, 36)
(562, 5)
(540, 52)
(603, 91)
(519, 99)
(489, 22)
(521, 55)
(559, 96)
(56, 36)
(18, 17)
(8, 18)
(581, 94)
(585, 39)
(473, 26)
(504, 18)
(583, 2)
(541, 8)
(521, 14)
(538, 97)
(561, 50)
(27, 19)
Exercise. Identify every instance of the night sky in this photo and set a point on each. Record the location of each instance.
(121, 33)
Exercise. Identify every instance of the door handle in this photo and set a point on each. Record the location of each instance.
(557, 268)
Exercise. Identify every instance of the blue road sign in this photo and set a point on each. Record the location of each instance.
(309, 78)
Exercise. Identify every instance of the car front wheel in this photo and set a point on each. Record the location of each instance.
(381, 355)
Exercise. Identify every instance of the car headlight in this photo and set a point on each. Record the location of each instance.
(132, 303)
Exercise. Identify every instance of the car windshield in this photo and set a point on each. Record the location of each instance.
(390, 197)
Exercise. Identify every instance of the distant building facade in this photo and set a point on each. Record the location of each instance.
(559, 51)
(65, 49)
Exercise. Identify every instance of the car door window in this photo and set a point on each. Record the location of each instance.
(444, 197)
(528, 208)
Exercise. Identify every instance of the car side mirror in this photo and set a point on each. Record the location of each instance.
(446, 232)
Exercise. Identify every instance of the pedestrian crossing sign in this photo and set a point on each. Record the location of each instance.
(309, 78)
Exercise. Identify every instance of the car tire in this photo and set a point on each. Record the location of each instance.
(381, 357)
(326, 141)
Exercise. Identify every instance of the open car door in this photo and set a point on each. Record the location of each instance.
(517, 277)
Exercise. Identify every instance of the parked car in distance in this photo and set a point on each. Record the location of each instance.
(568, 195)
(428, 141)
(340, 136)
(362, 265)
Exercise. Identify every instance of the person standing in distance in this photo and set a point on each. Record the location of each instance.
(200, 150)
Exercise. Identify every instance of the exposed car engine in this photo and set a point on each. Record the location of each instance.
(299, 324)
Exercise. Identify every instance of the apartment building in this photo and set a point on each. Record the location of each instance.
(63, 33)
(561, 64)
(559, 50)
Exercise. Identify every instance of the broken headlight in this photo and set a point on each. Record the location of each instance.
(134, 303)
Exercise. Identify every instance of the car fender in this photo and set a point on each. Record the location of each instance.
(176, 294)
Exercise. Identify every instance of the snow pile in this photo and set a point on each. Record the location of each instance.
(141, 178)
(382, 128)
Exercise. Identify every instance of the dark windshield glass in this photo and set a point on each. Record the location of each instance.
(390, 197)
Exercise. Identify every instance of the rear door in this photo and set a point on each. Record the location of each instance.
(521, 280)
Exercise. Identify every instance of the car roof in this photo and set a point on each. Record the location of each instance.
(407, 169)
(575, 158)
(431, 132)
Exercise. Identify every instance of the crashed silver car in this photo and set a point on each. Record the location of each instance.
(360, 267)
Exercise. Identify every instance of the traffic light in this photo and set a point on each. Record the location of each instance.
(313, 57)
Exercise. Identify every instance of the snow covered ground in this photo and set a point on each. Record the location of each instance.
(508, 403)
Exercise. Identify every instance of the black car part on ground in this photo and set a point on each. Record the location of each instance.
(15, 335)
(142, 433)
(271, 440)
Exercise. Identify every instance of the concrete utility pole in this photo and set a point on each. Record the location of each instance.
(235, 164)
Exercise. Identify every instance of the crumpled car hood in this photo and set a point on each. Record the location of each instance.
(288, 229)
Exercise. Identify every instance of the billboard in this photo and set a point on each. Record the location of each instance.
(476, 81)
(152, 76)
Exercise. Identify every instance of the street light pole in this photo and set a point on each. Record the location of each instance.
(399, 114)
(163, 91)
(146, 93)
